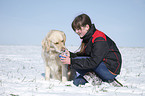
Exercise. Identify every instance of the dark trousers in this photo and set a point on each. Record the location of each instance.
(101, 70)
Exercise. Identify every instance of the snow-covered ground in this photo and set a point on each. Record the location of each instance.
(21, 69)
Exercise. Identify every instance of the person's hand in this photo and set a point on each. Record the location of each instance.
(65, 59)
(67, 53)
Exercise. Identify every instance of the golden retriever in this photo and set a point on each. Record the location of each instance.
(52, 45)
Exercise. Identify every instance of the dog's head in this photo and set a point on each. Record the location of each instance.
(54, 41)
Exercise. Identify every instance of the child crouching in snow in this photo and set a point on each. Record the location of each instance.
(99, 58)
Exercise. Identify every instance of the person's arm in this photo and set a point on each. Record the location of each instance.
(72, 55)
(99, 51)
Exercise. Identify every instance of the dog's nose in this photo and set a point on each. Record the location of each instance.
(63, 49)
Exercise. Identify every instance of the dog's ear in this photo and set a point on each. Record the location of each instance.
(45, 44)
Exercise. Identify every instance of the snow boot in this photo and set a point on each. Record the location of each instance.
(115, 83)
(93, 79)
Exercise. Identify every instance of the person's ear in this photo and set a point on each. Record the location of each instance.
(87, 27)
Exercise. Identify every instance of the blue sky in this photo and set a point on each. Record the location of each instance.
(26, 22)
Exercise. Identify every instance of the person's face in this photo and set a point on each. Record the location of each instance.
(81, 32)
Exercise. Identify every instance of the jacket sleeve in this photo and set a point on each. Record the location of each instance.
(73, 55)
(98, 52)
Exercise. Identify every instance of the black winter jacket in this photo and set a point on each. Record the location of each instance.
(100, 48)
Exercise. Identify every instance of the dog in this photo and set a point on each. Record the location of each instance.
(52, 45)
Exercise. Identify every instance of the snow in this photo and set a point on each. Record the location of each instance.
(22, 69)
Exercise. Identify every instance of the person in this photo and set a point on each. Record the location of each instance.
(98, 53)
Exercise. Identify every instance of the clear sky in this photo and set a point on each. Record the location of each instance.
(26, 22)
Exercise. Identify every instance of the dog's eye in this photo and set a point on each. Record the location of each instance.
(62, 41)
(56, 43)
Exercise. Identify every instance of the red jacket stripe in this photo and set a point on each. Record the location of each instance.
(98, 34)
(117, 61)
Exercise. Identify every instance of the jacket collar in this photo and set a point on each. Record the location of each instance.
(89, 34)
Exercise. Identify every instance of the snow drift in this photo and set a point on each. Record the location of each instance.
(22, 68)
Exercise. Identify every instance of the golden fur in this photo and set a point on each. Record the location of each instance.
(52, 45)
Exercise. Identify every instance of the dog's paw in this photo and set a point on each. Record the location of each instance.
(64, 79)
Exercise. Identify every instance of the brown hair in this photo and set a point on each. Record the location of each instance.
(81, 21)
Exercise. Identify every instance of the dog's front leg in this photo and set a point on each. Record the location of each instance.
(47, 72)
(64, 72)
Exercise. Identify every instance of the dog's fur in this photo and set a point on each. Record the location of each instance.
(52, 46)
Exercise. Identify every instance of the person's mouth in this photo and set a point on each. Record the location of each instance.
(79, 34)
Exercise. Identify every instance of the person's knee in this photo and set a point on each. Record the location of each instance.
(79, 81)
(105, 78)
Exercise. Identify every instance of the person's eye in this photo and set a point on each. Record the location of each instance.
(77, 30)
